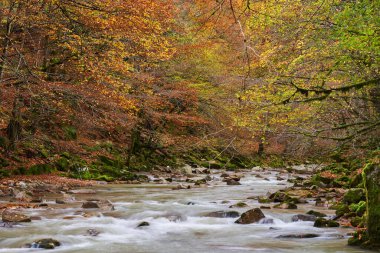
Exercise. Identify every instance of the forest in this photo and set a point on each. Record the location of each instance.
(275, 98)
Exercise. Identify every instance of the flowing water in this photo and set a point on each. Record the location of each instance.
(191, 232)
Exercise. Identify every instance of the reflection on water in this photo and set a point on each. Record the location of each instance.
(192, 233)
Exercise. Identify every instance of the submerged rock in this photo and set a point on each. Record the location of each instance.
(266, 221)
(174, 216)
(239, 205)
(9, 216)
(223, 214)
(48, 243)
(92, 232)
(251, 216)
(297, 236)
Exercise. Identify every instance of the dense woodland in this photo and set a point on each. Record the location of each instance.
(123, 86)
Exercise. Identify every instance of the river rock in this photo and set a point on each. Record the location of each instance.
(173, 216)
(92, 232)
(239, 205)
(223, 214)
(48, 243)
(315, 213)
(143, 224)
(251, 216)
(297, 236)
(90, 204)
(22, 196)
(9, 216)
(232, 182)
(286, 205)
(303, 217)
(59, 201)
(323, 223)
(181, 187)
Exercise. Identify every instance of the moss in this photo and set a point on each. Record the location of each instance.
(104, 178)
(3, 163)
(4, 173)
(371, 176)
(315, 213)
(264, 200)
(358, 238)
(358, 208)
(354, 195)
(340, 209)
(70, 133)
(321, 222)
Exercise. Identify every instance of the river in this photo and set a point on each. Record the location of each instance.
(193, 232)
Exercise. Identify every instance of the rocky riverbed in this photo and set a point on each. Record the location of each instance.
(198, 210)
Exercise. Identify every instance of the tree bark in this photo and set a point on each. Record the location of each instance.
(371, 175)
(14, 127)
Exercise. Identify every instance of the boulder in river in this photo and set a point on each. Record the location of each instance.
(232, 182)
(10, 216)
(303, 217)
(316, 213)
(323, 223)
(48, 243)
(251, 216)
(90, 204)
(223, 214)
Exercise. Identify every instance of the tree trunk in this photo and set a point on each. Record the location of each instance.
(371, 175)
(14, 127)
(260, 150)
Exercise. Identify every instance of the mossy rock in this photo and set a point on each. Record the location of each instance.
(264, 200)
(341, 209)
(323, 223)
(354, 195)
(316, 214)
(318, 179)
